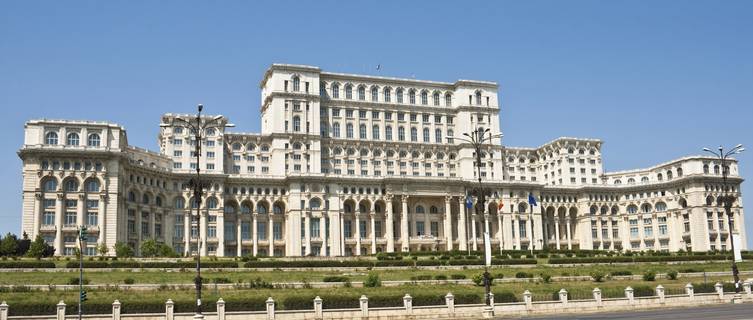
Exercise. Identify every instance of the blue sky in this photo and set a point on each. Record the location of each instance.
(654, 80)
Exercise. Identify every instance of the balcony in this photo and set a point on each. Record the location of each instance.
(47, 228)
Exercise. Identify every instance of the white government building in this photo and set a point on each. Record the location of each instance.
(354, 164)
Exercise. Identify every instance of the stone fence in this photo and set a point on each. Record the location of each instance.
(447, 311)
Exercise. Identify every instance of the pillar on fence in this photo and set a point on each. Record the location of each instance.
(61, 310)
(527, 299)
(597, 296)
(450, 301)
(3, 311)
(563, 296)
(660, 293)
(318, 307)
(408, 303)
(270, 308)
(220, 309)
(746, 287)
(169, 310)
(364, 303)
(629, 294)
(689, 290)
(116, 310)
(491, 299)
(719, 290)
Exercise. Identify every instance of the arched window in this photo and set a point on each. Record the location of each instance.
(229, 208)
(709, 200)
(436, 98)
(245, 208)
(72, 139)
(450, 135)
(210, 132)
(646, 208)
(659, 177)
(705, 168)
(644, 180)
(131, 196)
(387, 94)
(618, 181)
(438, 135)
(194, 203)
(388, 133)
(71, 185)
(716, 169)
(478, 98)
(400, 133)
(212, 203)
(51, 138)
(615, 210)
(669, 174)
(180, 203)
(424, 97)
(236, 146)
(374, 94)
(296, 83)
(277, 209)
(347, 208)
(158, 201)
(604, 210)
(522, 207)
(261, 208)
(296, 123)
(362, 131)
(413, 134)
(145, 199)
(420, 209)
(349, 131)
(375, 132)
(433, 209)
(594, 210)
(412, 96)
(93, 140)
(348, 91)
(631, 181)
(92, 185)
(679, 172)
(448, 100)
(315, 204)
(361, 93)
(335, 91)
(336, 130)
(427, 136)
(632, 209)
(661, 207)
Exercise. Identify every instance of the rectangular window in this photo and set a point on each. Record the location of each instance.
(347, 229)
(91, 218)
(420, 228)
(70, 218)
(378, 228)
(277, 230)
(314, 228)
(261, 230)
(435, 228)
(245, 231)
(49, 218)
(362, 229)
(522, 229)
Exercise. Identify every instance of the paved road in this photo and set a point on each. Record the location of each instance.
(715, 312)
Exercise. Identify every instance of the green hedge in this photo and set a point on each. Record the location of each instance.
(10, 264)
(159, 264)
(88, 264)
(637, 259)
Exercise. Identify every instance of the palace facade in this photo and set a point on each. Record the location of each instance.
(352, 165)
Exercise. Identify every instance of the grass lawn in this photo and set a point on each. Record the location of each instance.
(156, 276)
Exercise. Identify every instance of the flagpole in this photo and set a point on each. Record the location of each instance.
(533, 241)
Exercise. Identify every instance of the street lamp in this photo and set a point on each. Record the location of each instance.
(727, 199)
(477, 138)
(197, 126)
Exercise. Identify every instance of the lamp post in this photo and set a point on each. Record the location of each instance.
(477, 138)
(728, 199)
(197, 126)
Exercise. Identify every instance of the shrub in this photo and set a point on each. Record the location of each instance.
(457, 276)
(649, 275)
(421, 277)
(74, 281)
(87, 264)
(440, 277)
(504, 296)
(621, 273)
(546, 278)
(597, 276)
(672, 275)
(335, 279)
(690, 270)
(18, 264)
(221, 280)
(129, 281)
(522, 275)
(372, 281)
(643, 291)
(123, 250)
(499, 275)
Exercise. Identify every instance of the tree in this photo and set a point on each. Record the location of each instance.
(9, 245)
(123, 250)
(40, 249)
(166, 251)
(149, 248)
(102, 249)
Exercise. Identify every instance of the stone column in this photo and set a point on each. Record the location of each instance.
(569, 235)
(474, 235)
(500, 235)
(373, 232)
(255, 233)
(318, 308)
(629, 294)
(529, 233)
(557, 231)
(271, 234)
(202, 232)
(448, 222)
(563, 296)
(390, 227)
(408, 303)
(598, 233)
(364, 306)
(270, 308)
(527, 299)
(323, 233)
(307, 232)
(358, 232)
(689, 291)
(3, 311)
(220, 309)
(169, 310)
(342, 233)
(507, 226)
(187, 221)
(102, 219)
(462, 226)
(404, 236)
(597, 296)
(220, 252)
(80, 204)
(238, 235)
(60, 310)
(660, 293)
(719, 290)
(450, 301)
(116, 310)
(59, 224)
(516, 231)
(37, 215)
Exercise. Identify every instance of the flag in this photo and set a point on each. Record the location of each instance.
(500, 205)
(468, 202)
(531, 199)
